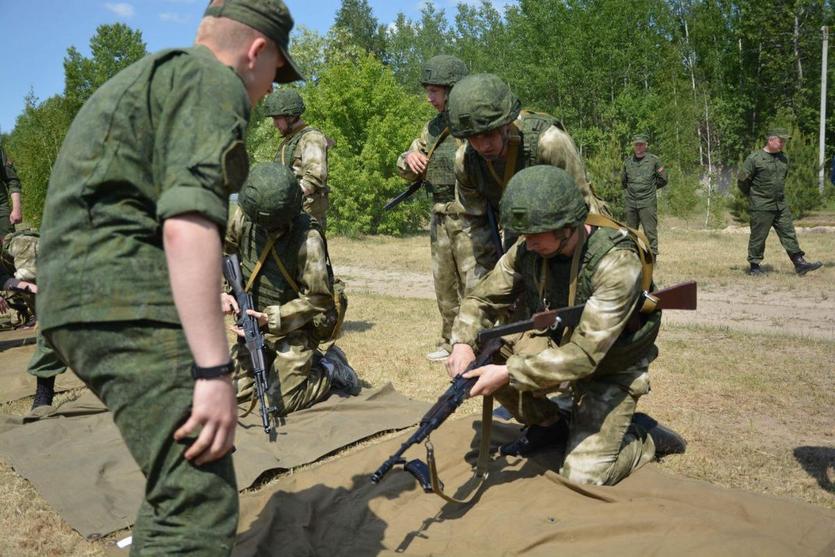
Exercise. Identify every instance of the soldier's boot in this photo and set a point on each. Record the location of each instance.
(801, 266)
(666, 440)
(536, 438)
(342, 376)
(44, 392)
(756, 270)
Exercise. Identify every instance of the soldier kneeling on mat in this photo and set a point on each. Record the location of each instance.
(286, 268)
(560, 260)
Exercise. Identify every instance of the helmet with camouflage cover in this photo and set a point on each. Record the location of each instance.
(271, 196)
(541, 198)
(481, 103)
(443, 70)
(284, 102)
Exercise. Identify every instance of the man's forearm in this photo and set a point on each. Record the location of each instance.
(15, 201)
(193, 252)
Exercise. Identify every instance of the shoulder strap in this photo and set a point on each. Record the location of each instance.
(260, 264)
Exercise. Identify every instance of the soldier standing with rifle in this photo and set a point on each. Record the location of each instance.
(431, 158)
(130, 262)
(567, 256)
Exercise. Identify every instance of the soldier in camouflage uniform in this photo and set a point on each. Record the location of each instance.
(9, 192)
(130, 262)
(559, 261)
(762, 180)
(432, 158)
(502, 139)
(292, 287)
(643, 175)
(303, 149)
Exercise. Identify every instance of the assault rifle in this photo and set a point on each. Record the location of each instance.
(253, 339)
(405, 194)
(679, 296)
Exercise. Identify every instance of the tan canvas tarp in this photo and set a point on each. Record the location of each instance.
(79, 464)
(525, 509)
(15, 383)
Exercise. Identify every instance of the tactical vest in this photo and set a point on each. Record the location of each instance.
(288, 147)
(440, 171)
(630, 346)
(270, 287)
(19, 254)
(531, 126)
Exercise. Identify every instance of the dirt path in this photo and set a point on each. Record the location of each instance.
(738, 307)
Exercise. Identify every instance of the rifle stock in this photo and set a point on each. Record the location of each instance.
(253, 339)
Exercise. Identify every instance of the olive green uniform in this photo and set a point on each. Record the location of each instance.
(9, 184)
(455, 259)
(295, 319)
(305, 152)
(763, 179)
(163, 138)
(641, 179)
(605, 366)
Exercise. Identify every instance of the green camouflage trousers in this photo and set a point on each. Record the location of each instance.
(603, 445)
(461, 255)
(316, 206)
(295, 378)
(45, 362)
(141, 371)
(648, 218)
(761, 223)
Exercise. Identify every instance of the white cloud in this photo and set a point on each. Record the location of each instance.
(172, 17)
(121, 9)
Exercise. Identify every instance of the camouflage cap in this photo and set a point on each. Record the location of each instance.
(272, 18)
(782, 133)
(541, 198)
(271, 196)
(443, 70)
(481, 103)
(284, 102)
(640, 138)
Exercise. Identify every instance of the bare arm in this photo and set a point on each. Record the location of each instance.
(16, 216)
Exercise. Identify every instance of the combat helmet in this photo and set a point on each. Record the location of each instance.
(443, 70)
(284, 102)
(541, 198)
(481, 103)
(271, 196)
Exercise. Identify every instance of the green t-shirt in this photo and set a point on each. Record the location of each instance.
(162, 138)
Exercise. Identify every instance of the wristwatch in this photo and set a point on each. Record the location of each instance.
(198, 372)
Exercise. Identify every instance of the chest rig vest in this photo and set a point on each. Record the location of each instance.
(490, 179)
(270, 287)
(287, 148)
(440, 170)
(551, 288)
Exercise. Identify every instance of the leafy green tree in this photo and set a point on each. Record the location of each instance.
(357, 18)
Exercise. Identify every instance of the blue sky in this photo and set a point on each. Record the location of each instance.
(37, 33)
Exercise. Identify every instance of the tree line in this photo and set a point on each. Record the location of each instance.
(703, 78)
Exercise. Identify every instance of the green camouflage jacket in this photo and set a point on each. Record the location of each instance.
(305, 152)
(641, 178)
(763, 179)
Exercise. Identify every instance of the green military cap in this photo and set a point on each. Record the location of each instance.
(640, 138)
(542, 198)
(782, 133)
(270, 17)
(284, 102)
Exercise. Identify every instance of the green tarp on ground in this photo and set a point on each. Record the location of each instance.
(525, 509)
(15, 383)
(77, 461)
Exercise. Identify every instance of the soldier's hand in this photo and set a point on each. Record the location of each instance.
(214, 413)
(262, 317)
(462, 355)
(16, 217)
(416, 161)
(228, 304)
(490, 379)
(26, 286)
(4, 306)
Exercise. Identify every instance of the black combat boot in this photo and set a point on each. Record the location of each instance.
(801, 266)
(343, 378)
(44, 392)
(536, 438)
(756, 270)
(666, 440)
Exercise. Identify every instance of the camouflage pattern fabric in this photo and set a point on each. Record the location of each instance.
(305, 151)
(188, 509)
(45, 361)
(296, 381)
(605, 368)
(18, 261)
(641, 179)
(763, 179)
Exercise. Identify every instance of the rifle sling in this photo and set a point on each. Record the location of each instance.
(481, 473)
